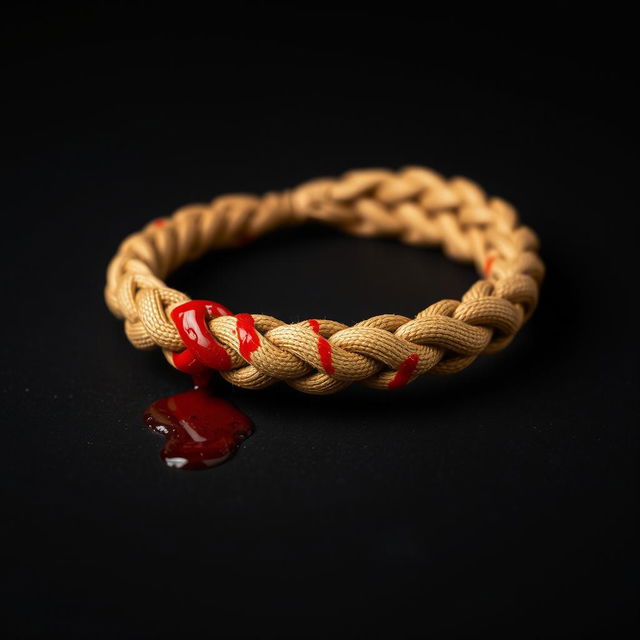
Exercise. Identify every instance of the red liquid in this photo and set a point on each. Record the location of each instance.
(201, 430)
(405, 370)
(324, 349)
(248, 339)
(488, 265)
(191, 319)
(186, 362)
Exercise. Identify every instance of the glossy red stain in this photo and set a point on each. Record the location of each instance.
(488, 264)
(185, 362)
(248, 339)
(201, 431)
(159, 222)
(324, 349)
(191, 319)
(405, 370)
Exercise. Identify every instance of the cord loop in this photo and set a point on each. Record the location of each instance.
(416, 205)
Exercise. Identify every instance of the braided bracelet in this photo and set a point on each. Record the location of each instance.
(323, 356)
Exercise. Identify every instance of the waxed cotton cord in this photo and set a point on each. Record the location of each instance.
(416, 205)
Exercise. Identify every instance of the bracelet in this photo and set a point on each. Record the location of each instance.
(322, 356)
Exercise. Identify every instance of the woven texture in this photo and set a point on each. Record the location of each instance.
(417, 206)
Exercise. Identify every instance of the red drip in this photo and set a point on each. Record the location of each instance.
(191, 320)
(488, 264)
(186, 362)
(405, 370)
(248, 339)
(200, 430)
(324, 349)
(159, 222)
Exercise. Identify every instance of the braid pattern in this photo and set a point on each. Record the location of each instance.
(417, 206)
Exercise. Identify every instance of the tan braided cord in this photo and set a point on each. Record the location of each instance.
(416, 205)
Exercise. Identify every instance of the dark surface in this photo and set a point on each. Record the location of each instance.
(502, 500)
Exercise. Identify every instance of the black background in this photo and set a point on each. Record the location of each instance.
(501, 500)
